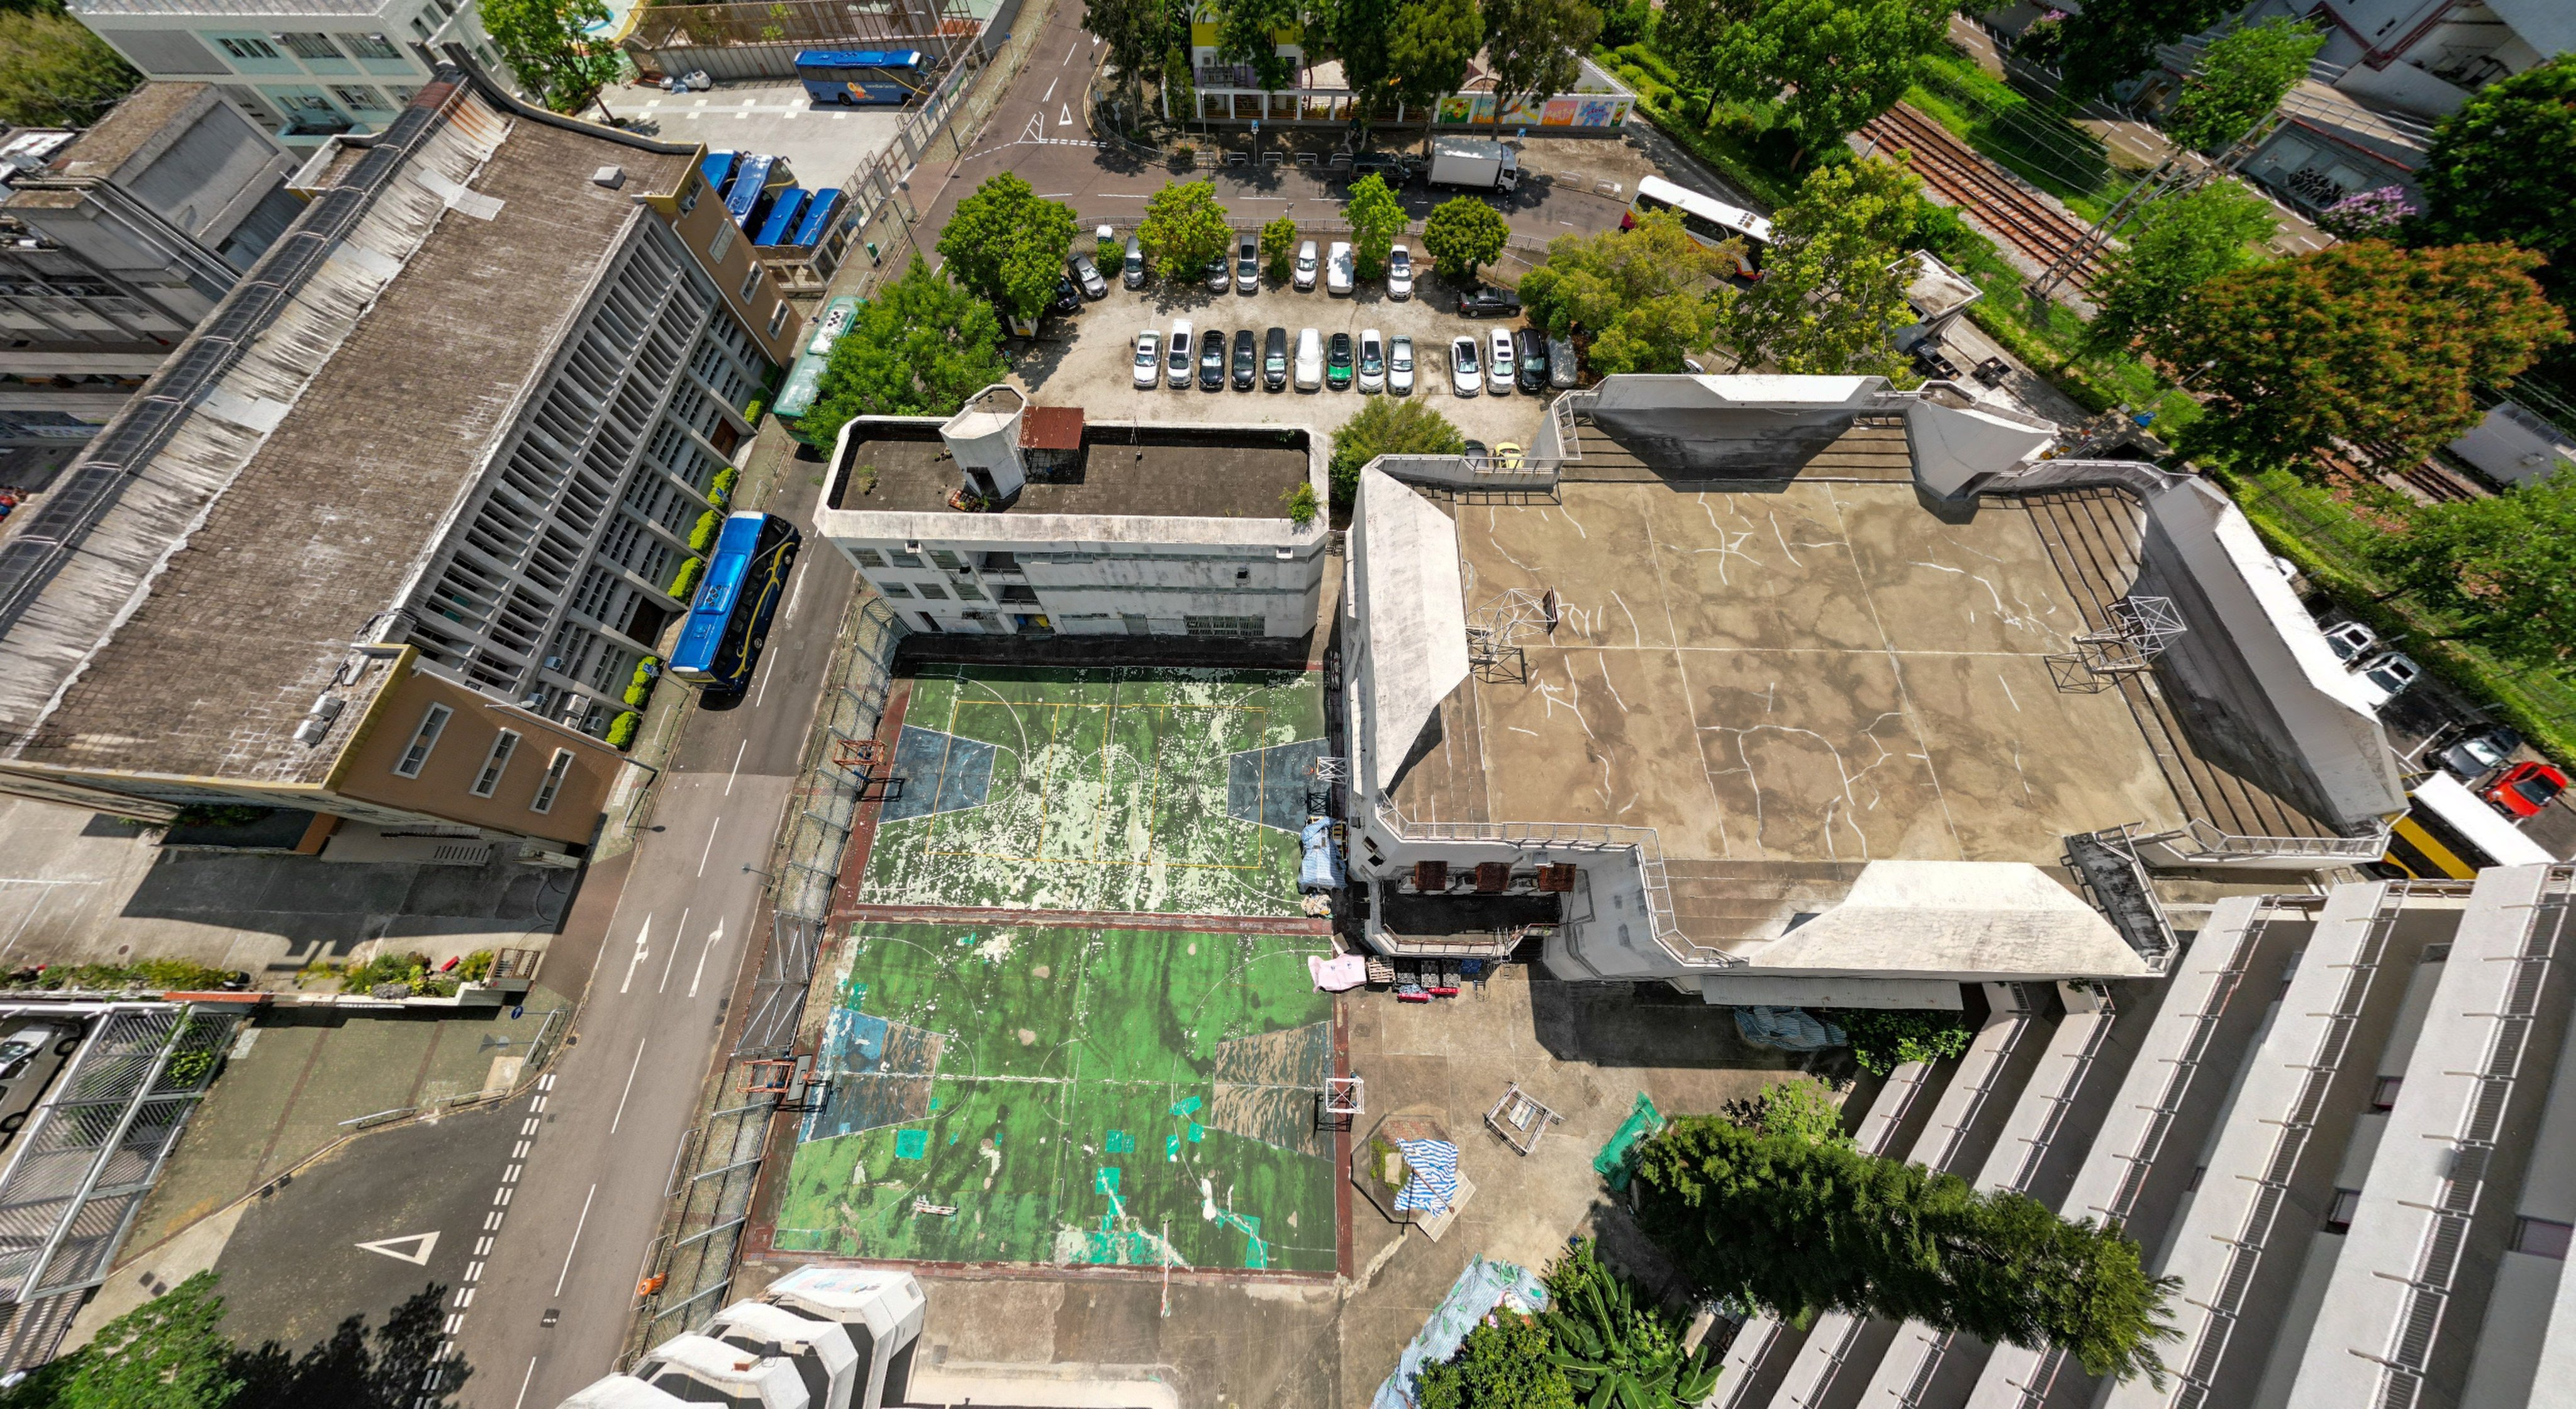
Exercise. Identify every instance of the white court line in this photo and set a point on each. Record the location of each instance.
(631, 1069)
(711, 845)
(576, 1239)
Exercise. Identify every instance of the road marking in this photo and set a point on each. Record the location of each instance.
(767, 669)
(546, 1082)
(454, 1320)
(576, 1239)
(1050, 93)
(491, 1223)
(511, 1175)
(520, 1150)
(474, 1270)
(713, 940)
(538, 1104)
(795, 594)
(1067, 119)
(736, 770)
(521, 1401)
(422, 1244)
(465, 1298)
(674, 956)
(502, 1196)
(711, 845)
(1070, 51)
(631, 1069)
(640, 951)
(482, 1247)
(531, 1127)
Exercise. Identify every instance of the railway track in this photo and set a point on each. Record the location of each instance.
(2425, 479)
(1957, 173)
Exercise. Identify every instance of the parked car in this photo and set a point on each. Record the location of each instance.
(24, 1046)
(1507, 455)
(1132, 272)
(1247, 265)
(1562, 370)
(1212, 360)
(1399, 273)
(2351, 641)
(1498, 363)
(1176, 355)
(1246, 364)
(2388, 675)
(1149, 360)
(1220, 275)
(1337, 268)
(1274, 360)
(1068, 297)
(2468, 752)
(1337, 363)
(1482, 302)
(1464, 379)
(1087, 274)
(1399, 365)
(1372, 361)
(1476, 453)
(1305, 280)
(2525, 788)
(1310, 360)
(1530, 347)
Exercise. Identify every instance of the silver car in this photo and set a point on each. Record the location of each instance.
(1247, 265)
(1464, 378)
(1399, 365)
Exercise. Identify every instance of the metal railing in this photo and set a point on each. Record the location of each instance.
(2212, 843)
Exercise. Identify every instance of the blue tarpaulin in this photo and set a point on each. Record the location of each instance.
(1321, 867)
(1431, 1176)
(1474, 1296)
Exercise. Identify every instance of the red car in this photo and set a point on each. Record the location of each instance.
(2525, 788)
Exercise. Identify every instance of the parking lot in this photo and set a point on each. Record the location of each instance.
(823, 143)
(1087, 359)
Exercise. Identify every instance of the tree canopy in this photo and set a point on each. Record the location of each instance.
(1248, 32)
(1376, 219)
(2504, 568)
(1647, 297)
(2115, 40)
(1183, 229)
(1007, 245)
(1387, 426)
(1831, 65)
(55, 73)
(543, 42)
(2503, 168)
(2240, 78)
(1833, 282)
(1531, 45)
(2361, 341)
(919, 348)
(1358, 32)
(168, 1353)
(1693, 36)
(2178, 245)
(1279, 247)
(1800, 1225)
(1462, 233)
(1135, 31)
(1503, 1364)
(1428, 50)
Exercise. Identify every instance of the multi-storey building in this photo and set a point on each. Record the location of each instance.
(389, 536)
(115, 246)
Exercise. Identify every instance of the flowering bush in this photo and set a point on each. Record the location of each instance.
(2366, 215)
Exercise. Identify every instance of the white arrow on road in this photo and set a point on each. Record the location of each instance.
(713, 940)
(640, 936)
(422, 1245)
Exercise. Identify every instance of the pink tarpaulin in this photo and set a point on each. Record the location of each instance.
(1337, 973)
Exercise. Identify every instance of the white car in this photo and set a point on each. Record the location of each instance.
(1399, 365)
(1399, 273)
(2351, 641)
(1310, 360)
(1462, 367)
(1372, 361)
(1176, 355)
(1305, 280)
(1337, 269)
(2387, 675)
(1149, 359)
(1498, 364)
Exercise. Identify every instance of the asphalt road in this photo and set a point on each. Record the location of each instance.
(554, 1303)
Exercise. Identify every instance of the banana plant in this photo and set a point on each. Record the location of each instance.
(1617, 1354)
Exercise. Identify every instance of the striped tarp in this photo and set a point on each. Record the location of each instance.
(1433, 1178)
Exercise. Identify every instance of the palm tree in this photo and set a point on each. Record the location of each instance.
(1618, 1353)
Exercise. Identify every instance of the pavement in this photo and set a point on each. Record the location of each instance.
(823, 144)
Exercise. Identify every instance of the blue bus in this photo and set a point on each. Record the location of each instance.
(856, 77)
(729, 622)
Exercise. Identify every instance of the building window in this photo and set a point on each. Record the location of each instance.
(2383, 1097)
(423, 740)
(552, 783)
(902, 559)
(947, 559)
(689, 197)
(1222, 626)
(358, 97)
(868, 557)
(247, 48)
(969, 592)
(778, 318)
(722, 244)
(933, 592)
(311, 46)
(1015, 595)
(751, 282)
(371, 46)
(894, 589)
(2347, 1202)
(2542, 1238)
(504, 744)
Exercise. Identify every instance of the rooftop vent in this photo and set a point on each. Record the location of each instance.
(609, 177)
(317, 722)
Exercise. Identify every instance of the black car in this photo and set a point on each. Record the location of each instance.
(1212, 360)
(1244, 361)
(2469, 753)
(1067, 297)
(1087, 274)
(1395, 169)
(1477, 453)
(1529, 352)
(1482, 302)
(1274, 360)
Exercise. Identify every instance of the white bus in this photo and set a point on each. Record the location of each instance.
(1709, 220)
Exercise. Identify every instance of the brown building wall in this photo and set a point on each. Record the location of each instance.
(701, 227)
(444, 787)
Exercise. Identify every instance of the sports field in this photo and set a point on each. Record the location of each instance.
(1038, 1095)
(1161, 791)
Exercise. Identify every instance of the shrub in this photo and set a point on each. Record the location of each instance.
(1388, 427)
(621, 730)
(159, 975)
(703, 536)
(686, 580)
(720, 489)
(219, 814)
(475, 967)
(1882, 1039)
(1301, 504)
(410, 968)
(752, 412)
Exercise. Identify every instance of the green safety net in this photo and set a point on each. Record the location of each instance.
(1617, 1161)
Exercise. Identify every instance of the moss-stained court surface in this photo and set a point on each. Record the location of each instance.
(1147, 791)
(1023, 1094)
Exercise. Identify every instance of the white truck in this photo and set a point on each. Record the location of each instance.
(1481, 165)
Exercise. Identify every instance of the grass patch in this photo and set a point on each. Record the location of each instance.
(2024, 137)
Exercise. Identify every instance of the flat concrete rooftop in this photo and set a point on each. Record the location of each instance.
(1855, 678)
(1160, 471)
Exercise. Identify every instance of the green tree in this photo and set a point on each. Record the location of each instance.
(1248, 33)
(1800, 1108)
(167, 1353)
(1462, 233)
(1008, 246)
(1799, 1225)
(2178, 245)
(1136, 32)
(1356, 33)
(1428, 50)
(2503, 169)
(2362, 342)
(1183, 229)
(2113, 41)
(2239, 78)
(1180, 94)
(1831, 65)
(1883, 1039)
(2504, 568)
(1612, 1348)
(919, 348)
(1693, 35)
(55, 73)
(1648, 296)
(1376, 219)
(1833, 282)
(1503, 1364)
(543, 42)
(1279, 248)
(1530, 47)
(1388, 426)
